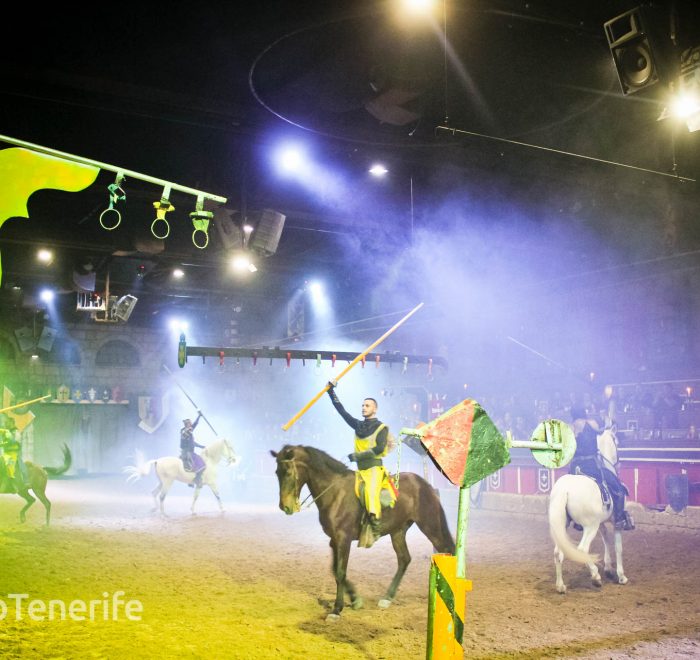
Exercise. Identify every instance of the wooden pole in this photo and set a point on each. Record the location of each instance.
(296, 417)
(25, 403)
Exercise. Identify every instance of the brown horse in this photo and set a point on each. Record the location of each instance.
(332, 485)
(37, 477)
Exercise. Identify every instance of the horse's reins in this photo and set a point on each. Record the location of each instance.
(296, 483)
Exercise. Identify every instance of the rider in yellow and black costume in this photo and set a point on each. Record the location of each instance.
(11, 449)
(370, 446)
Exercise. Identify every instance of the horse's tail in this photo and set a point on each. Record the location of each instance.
(141, 469)
(557, 529)
(67, 462)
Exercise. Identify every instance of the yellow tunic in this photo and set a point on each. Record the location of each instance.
(374, 479)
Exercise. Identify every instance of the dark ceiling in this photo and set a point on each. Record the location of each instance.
(199, 93)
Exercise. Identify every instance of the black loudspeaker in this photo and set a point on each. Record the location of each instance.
(641, 48)
(47, 338)
(267, 232)
(227, 223)
(25, 339)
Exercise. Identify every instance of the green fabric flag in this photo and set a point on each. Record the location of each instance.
(23, 172)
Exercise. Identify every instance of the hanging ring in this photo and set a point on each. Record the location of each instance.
(103, 215)
(205, 241)
(167, 228)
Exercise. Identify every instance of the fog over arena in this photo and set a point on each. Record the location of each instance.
(226, 179)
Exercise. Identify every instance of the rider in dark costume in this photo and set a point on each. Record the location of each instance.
(588, 460)
(192, 462)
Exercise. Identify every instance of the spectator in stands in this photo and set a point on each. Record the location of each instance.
(666, 406)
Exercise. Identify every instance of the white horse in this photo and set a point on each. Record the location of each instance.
(170, 468)
(580, 497)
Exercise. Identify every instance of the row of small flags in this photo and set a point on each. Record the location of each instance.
(288, 359)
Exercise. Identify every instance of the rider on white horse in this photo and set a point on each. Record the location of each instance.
(588, 461)
(192, 462)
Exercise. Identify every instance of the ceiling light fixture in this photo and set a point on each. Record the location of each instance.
(44, 256)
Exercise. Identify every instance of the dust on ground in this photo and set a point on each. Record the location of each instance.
(253, 583)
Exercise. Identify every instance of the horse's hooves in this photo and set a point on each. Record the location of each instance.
(357, 604)
(562, 589)
(597, 582)
(610, 574)
(333, 617)
(622, 580)
(384, 603)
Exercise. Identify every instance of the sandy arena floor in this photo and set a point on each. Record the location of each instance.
(254, 583)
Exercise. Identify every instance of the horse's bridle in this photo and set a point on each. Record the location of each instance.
(297, 487)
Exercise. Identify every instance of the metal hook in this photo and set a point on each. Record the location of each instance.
(116, 195)
(162, 207)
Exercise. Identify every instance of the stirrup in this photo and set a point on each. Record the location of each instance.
(625, 523)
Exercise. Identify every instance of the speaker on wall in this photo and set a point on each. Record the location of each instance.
(25, 339)
(641, 48)
(267, 232)
(124, 306)
(46, 339)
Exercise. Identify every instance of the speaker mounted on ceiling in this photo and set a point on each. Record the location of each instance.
(641, 48)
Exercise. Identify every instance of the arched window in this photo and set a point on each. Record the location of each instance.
(117, 353)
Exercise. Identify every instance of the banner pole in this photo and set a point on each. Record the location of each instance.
(296, 417)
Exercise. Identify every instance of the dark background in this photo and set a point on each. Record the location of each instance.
(591, 264)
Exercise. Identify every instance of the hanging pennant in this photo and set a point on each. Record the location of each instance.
(255, 358)
(376, 361)
(221, 358)
(405, 365)
(364, 360)
(333, 359)
(318, 360)
(289, 359)
(430, 366)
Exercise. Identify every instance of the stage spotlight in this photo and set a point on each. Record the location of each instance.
(47, 295)
(290, 159)
(242, 263)
(44, 256)
(418, 6)
(178, 325)
(320, 303)
(378, 170)
(178, 273)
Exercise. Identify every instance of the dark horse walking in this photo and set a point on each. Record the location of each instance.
(332, 485)
(37, 477)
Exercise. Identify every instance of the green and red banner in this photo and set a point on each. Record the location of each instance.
(465, 444)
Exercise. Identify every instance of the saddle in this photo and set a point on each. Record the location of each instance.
(603, 487)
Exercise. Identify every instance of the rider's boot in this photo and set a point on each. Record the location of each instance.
(370, 531)
(623, 520)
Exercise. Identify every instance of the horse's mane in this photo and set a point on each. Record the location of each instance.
(318, 459)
